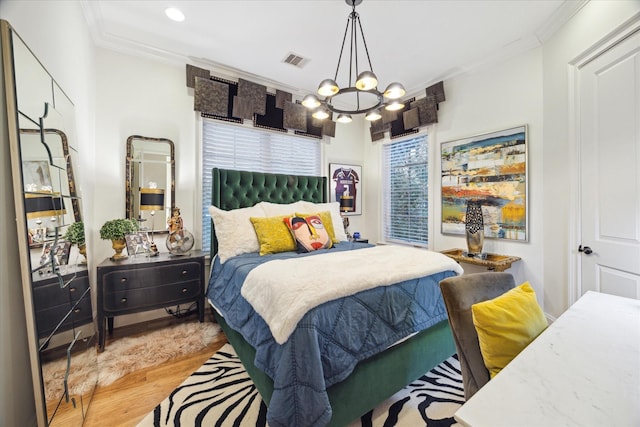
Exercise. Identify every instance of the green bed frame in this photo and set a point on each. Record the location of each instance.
(374, 379)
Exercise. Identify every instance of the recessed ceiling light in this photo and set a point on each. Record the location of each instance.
(174, 14)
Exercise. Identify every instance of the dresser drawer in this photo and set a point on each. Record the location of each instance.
(151, 297)
(151, 276)
(50, 294)
(79, 314)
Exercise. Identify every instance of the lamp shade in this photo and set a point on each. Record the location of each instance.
(346, 204)
(366, 80)
(373, 115)
(328, 87)
(395, 90)
(40, 205)
(151, 199)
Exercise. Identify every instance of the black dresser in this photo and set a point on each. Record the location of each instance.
(61, 303)
(142, 283)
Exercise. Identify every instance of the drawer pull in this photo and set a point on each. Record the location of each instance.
(123, 300)
(72, 289)
(184, 272)
(123, 280)
(77, 310)
(184, 290)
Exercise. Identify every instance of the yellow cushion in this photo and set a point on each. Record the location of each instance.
(325, 217)
(506, 325)
(273, 234)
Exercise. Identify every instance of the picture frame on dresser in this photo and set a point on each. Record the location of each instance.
(138, 243)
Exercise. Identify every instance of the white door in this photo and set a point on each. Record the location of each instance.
(609, 145)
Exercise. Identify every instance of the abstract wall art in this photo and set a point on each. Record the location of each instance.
(490, 169)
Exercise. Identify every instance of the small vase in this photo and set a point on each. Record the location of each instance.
(474, 228)
(118, 245)
(83, 251)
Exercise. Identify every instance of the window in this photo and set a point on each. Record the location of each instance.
(229, 146)
(405, 185)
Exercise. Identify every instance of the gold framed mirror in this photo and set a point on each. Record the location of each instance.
(150, 181)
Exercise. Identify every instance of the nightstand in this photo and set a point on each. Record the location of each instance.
(142, 283)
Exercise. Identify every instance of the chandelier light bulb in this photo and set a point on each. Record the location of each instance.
(394, 106)
(320, 114)
(328, 87)
(366, 81)
(373, 115)
(344, 118)
(311, 101)
(395, 90)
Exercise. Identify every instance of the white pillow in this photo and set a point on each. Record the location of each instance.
(234, 231)
(334, 209)
(279, 209)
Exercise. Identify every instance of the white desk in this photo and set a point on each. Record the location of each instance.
(584, 370)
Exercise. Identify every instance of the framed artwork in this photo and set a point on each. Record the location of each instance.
(36, 175)
(60, 250)
(491, 169)
(344, 187)
(138, 243)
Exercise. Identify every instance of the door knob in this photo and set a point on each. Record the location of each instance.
(587, 250)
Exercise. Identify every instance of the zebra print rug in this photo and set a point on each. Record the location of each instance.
(221, 393)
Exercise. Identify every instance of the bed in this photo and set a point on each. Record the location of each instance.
(292, 366)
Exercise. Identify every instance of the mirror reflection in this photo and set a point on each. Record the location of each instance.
(50, 224)
(150, 181)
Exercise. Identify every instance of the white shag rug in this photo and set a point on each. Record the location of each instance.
(127, 355)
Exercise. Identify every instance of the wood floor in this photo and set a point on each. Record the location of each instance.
(127, 401)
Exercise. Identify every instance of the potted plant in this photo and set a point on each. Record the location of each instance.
(75, 235)
(115, 230)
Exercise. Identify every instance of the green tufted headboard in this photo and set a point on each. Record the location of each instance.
(233, 189)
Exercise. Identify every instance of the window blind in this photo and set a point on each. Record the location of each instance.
(405, 186)
(228, 146)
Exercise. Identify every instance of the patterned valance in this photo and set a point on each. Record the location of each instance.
(227, 100)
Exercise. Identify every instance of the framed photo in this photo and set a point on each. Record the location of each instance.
(60, 250)
(138, 243)
(38, 235)
(344, 187)
(492, 169)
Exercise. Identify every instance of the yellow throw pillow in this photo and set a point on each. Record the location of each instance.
(506, 325)
(273, 234)
(325, 217)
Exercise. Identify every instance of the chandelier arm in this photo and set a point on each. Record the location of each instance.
(364, 42)
(344, 39)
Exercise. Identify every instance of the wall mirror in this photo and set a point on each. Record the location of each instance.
(44, 159)
(150, 181)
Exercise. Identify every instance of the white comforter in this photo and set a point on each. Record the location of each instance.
(283, 291)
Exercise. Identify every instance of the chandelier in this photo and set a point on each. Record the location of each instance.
(364, 96)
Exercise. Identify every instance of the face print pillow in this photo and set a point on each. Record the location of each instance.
(309, 233)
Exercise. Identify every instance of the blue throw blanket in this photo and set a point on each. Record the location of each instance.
(329, 340)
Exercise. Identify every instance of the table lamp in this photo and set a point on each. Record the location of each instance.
(346, 205)
(152, 199)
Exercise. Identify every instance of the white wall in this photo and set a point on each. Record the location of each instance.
(502, 96)
(589, 26)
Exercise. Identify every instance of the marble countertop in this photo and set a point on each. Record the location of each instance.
(584, 370)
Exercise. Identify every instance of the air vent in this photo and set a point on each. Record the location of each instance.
(295, 60)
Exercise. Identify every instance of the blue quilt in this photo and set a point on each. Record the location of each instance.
(329, 340)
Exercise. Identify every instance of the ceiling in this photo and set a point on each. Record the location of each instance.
(415, 42)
